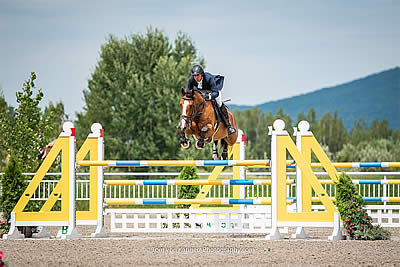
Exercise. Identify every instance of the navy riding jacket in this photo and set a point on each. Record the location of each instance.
(211, 82)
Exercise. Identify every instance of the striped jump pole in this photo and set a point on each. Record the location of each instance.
(191, 182)
(366, 199)
(224, 201)
(359, 164)
(341, 165)
(173, 163)
(381, 199)
(214, 201)
(355, 181)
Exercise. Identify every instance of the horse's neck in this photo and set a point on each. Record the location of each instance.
(208, 112)
(199, 102)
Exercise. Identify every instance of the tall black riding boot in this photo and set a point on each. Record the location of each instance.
(225, 118)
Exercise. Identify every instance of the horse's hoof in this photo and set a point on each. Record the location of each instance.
(224, 156)
(186, 145)
(200, 144)
(215, 157)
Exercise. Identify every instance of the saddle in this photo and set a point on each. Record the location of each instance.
(218, 114)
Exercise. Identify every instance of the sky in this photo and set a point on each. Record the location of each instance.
(267, 50)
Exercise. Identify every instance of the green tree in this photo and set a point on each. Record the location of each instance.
(3, 103)
(332, 132)
(188, 191)
(301, 117)
(4, 111)
(28, 131)
(254, 124)
(359, 132)
(13, 185)
(368, 151)
(55, 114)
(286, 118)
(312, 116)
(134, 93)
(314, 123)
(380, 130)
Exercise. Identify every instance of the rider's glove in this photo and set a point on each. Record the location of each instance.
(209, 96)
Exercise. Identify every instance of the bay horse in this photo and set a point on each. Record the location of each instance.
(199, 119)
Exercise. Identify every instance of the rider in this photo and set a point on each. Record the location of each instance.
(201, 80)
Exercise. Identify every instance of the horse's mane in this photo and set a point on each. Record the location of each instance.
(193, 94)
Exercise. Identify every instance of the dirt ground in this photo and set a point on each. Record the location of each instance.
(201, 249)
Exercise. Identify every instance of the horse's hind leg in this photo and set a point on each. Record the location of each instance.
(224, 145)
(215, 151)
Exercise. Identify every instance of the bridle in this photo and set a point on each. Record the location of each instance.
(195, 112)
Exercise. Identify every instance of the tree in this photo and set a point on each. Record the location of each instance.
(254, 124)
(359, 132)
(368, 151)
(55, 114)
(13, 186)
(3, 103)
(332, 132)
(28, 131)
(286, 118)
(314, 123)
(4, 111)
(312, 116)
(301, 117)
(380, 130)
(188, 191)
(134, 93)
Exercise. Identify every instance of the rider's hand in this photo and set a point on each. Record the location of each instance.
(209, 96)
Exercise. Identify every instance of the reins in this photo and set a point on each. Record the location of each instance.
(195, 112)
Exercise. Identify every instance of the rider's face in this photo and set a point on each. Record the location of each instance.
(198, 77)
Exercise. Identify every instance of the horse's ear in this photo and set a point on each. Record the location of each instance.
(183, 91)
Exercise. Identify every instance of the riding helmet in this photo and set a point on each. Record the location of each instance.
(197, 69)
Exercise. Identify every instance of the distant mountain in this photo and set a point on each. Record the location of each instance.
(376, 96)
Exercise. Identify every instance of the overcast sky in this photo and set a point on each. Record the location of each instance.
(267, 50)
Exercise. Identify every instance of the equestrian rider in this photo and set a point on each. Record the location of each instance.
(210, 85)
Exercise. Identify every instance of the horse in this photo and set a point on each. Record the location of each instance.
(199, 119)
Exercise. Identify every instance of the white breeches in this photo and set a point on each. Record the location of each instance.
(218, 99)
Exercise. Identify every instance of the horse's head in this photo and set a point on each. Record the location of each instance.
(192, 103)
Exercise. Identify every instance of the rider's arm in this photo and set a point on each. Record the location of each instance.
(190, 84)
(215, 92)
(213, 95)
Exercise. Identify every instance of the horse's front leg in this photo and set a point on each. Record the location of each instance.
(185, 142)
(202, 134)
(215, 155)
